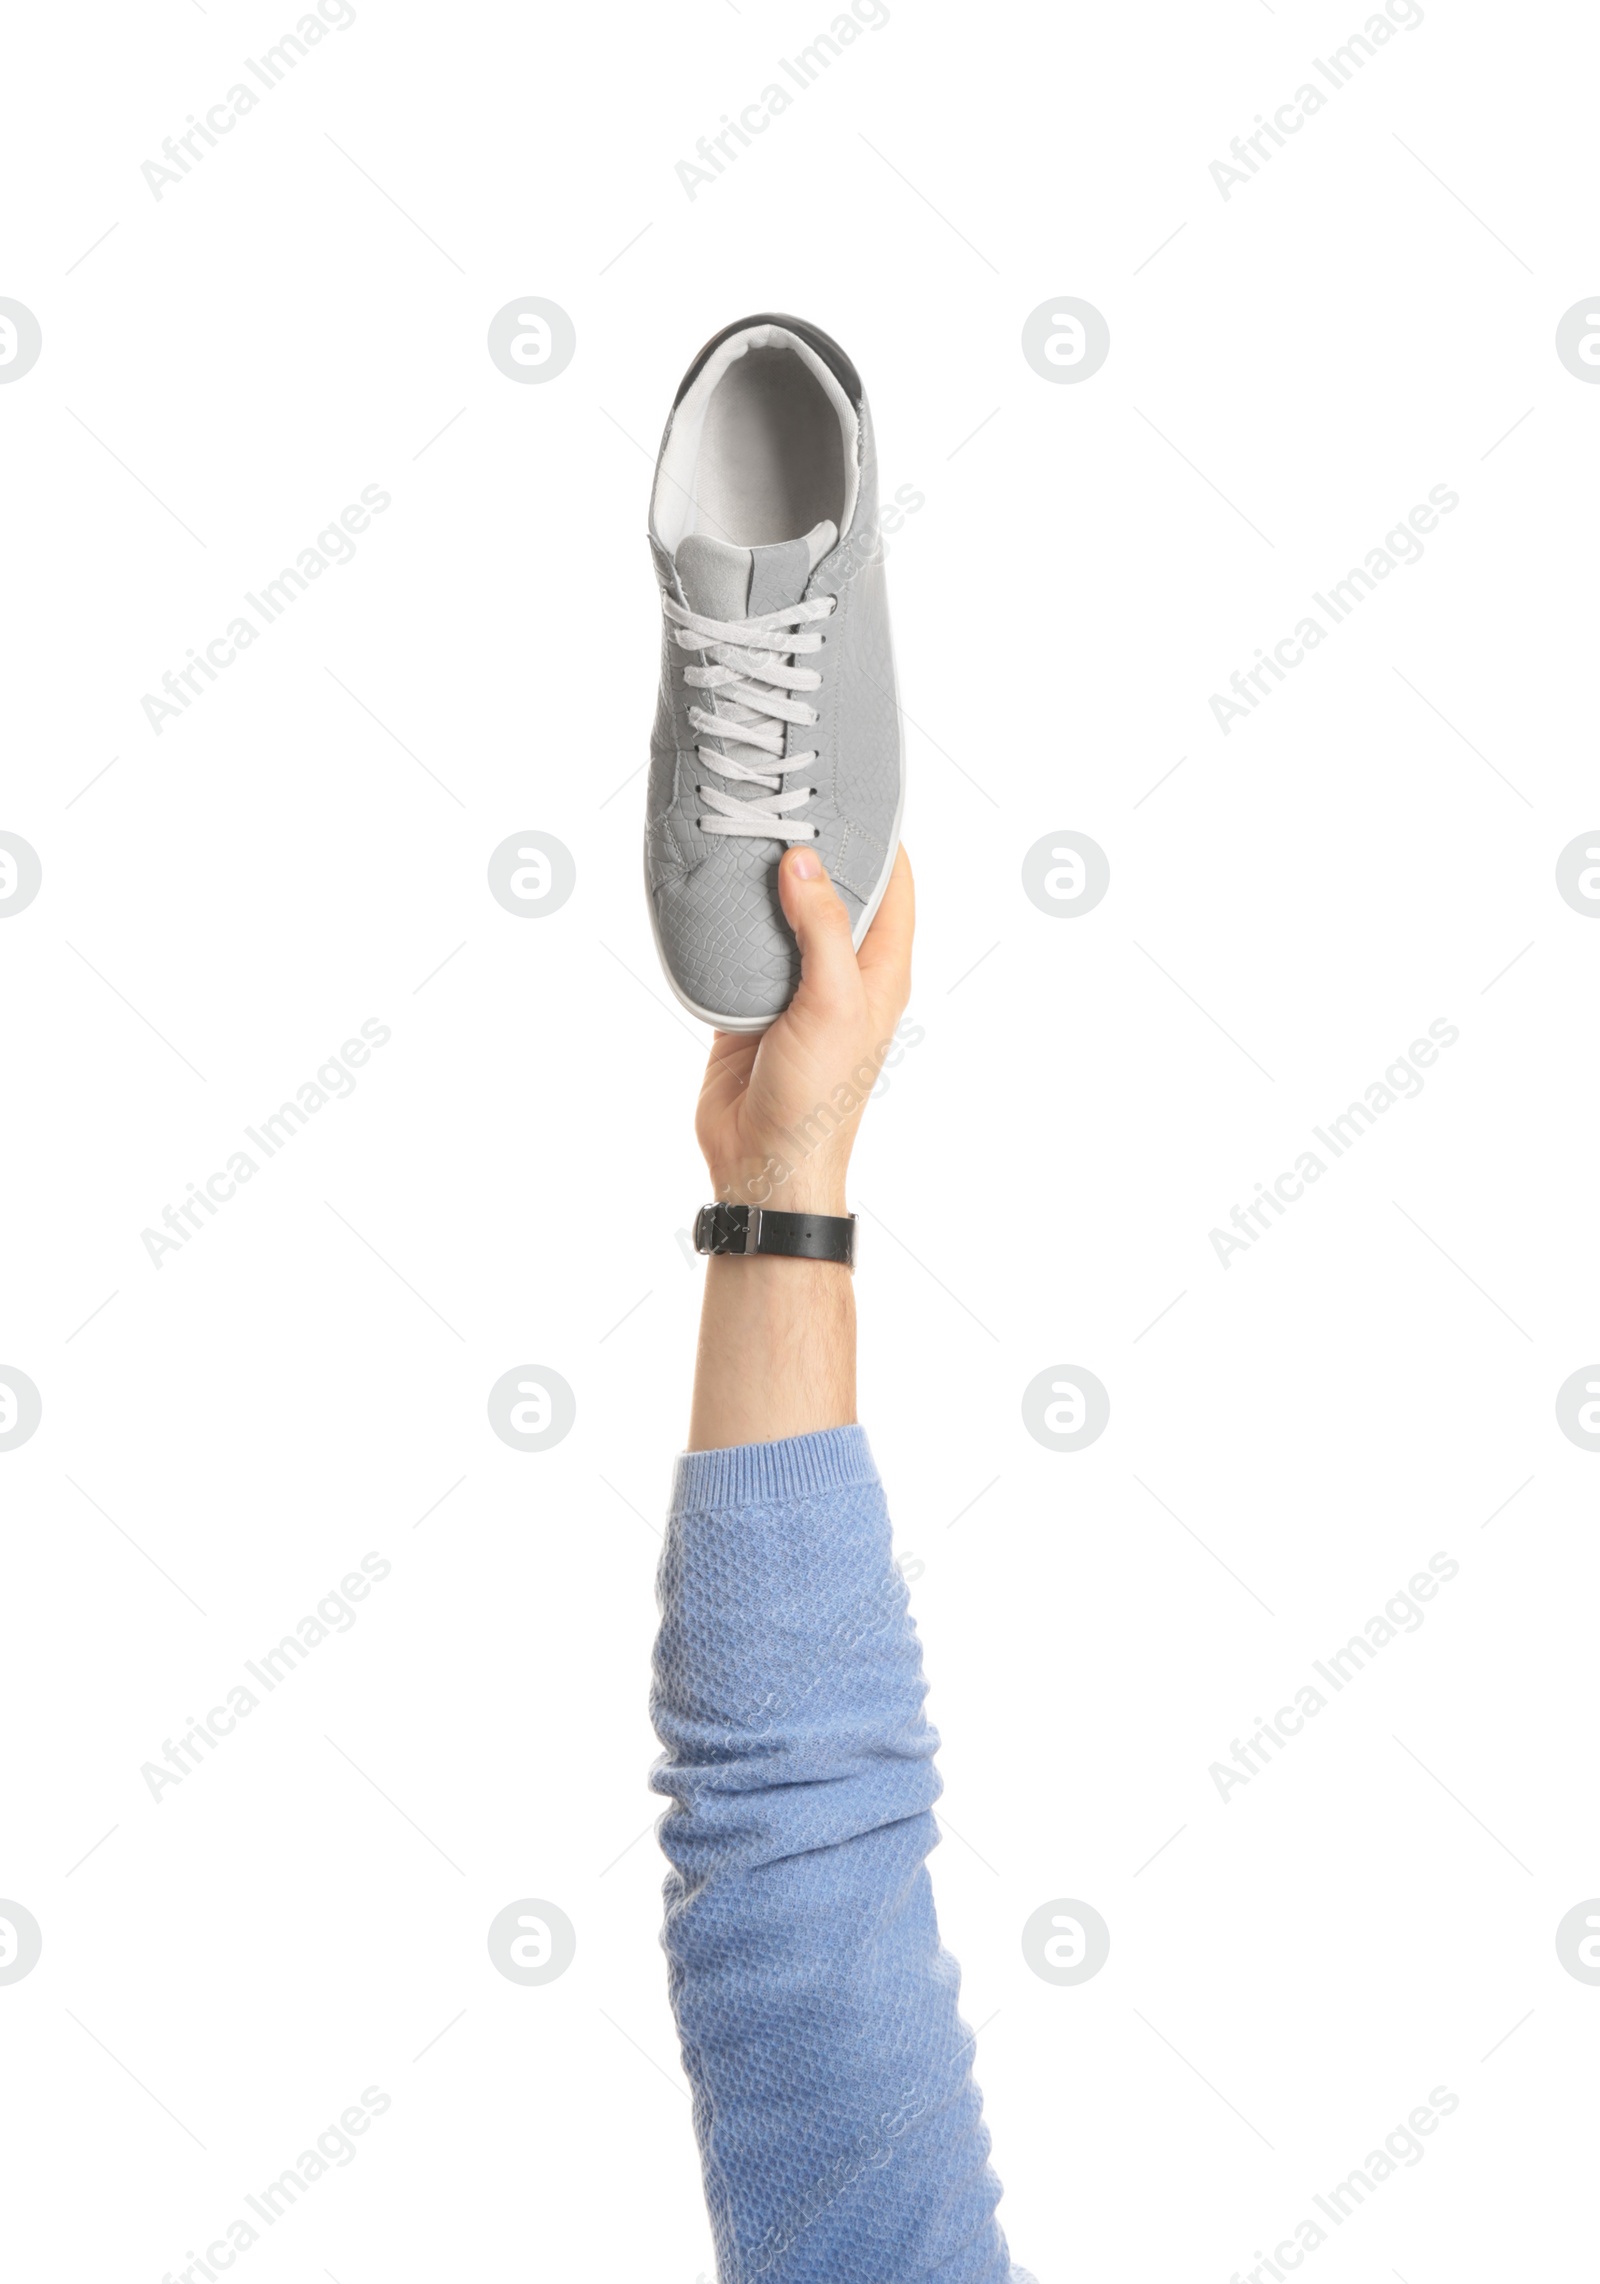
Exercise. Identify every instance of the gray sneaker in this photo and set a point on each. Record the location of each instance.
(777, 718)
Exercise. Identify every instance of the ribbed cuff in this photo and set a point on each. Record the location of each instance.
(764, 1474)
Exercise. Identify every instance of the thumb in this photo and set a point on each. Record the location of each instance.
(814, 910)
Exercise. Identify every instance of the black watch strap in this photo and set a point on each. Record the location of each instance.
(761, 1229)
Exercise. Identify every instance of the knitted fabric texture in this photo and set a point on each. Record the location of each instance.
(841, 2133)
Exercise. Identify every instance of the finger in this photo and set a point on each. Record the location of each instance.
(885, 954)
(814, 910)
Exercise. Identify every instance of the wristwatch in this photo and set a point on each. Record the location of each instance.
(759, 1229)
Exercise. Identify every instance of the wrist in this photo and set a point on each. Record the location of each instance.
(811, 1187)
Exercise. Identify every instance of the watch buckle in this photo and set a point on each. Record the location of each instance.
(719, 1228)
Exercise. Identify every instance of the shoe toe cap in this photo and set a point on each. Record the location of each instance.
(726, 943)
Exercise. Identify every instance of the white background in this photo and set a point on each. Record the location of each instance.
(305, 1381)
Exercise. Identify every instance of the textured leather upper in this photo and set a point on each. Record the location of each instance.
(723, 938)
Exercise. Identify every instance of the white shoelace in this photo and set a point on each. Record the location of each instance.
(748, 669)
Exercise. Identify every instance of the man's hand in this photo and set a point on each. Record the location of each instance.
(777, 1118)
(779, 1110)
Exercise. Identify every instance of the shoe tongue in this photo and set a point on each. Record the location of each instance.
(715, 576)
(726, 582)
(778, 575)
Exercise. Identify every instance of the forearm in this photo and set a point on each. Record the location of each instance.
(777, 1350)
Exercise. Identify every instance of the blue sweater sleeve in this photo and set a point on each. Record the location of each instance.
(841, 2133)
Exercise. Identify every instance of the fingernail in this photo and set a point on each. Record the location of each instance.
(805, 864)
